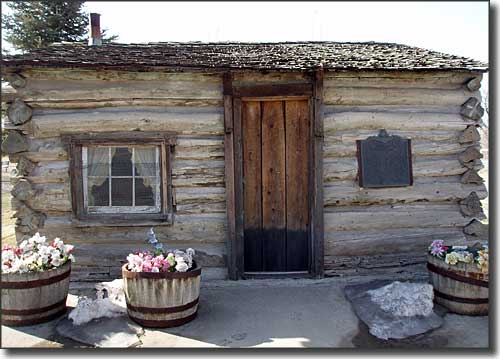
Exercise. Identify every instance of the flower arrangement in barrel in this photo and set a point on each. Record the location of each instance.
(452, 255)
(36, 255)
(158, 260)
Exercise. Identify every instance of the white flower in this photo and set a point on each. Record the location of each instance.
(56, 261)
(451, 258)
(155, 270)
(190, 252)
(181, 267)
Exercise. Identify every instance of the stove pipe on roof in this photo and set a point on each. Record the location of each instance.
(95, 30)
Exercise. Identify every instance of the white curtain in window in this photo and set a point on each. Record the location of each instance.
(145, 164)
(98, 164)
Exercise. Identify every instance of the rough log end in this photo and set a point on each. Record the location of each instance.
(472, 109)
(14, 143)
(16, 80)
(470, 134)
(471, 176)
(19, 112)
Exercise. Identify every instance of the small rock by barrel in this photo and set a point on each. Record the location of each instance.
(462, 288)
(164, 299)
(34, 297)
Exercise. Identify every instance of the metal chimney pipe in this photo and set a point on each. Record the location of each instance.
(95, 29)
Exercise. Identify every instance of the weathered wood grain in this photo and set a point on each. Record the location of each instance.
(349, 193)
(50, 172)
(297, 134)
(388, 240)
(348, 218)
(441, 80)
(187, 228)
(252, 184)
(344, 168)
(419, 148)
(56, 90)
(50, 123)
(194, 195)
(273, 185)
(393, 121)
(359, 96)
(113, 75)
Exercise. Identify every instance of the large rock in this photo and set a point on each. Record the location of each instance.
(117, 332)
(394, 310)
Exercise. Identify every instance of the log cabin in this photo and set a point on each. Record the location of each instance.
(306, 159)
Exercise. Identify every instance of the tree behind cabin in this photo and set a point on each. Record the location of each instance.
(34, 24)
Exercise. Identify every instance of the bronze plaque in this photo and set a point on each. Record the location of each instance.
(384, 161)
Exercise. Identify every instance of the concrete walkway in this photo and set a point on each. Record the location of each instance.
(273, 313)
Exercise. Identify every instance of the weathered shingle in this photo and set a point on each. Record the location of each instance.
(233, 55)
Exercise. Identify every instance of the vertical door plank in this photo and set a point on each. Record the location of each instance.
(252, 186)
(273, 186)
(297, 196)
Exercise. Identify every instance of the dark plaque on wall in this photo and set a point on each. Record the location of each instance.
(384, 161)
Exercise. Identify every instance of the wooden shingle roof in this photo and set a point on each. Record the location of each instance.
(284, 56)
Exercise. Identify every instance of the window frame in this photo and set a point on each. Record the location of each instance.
(76, 142)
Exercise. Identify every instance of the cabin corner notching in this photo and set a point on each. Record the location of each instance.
(269, 167)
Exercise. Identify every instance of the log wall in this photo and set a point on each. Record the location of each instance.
(72, 101)
(387, 230)
(366, 230)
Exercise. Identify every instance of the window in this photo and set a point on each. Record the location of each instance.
(121, 176)
(121, 179)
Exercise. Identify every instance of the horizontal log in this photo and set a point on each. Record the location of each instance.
(114, 255)
(350, 136)
(198, 180)
(418, 80)
(197, 167)
(424, 189)
(182, 120)
(248, 78)
(386, 241)
(406, 265)
(113, 75)
(51, 90)
(394, 108)
(398, 74)
(198, 208)
(186, 229)
(418, 148)
(51, 197)
(393, 121)
(197, 195)
(50, 172)
(118, 102)
(360, 96)
(199, 149)
(347, 167)
(348, 218)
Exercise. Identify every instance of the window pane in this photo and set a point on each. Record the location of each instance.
(121, 163)
(98, 161)
(145, 189)
(145, 161)
(121, 191)
(98, 194)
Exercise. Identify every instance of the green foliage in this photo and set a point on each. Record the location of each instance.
(35, 24)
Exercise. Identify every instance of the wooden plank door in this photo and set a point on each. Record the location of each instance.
(275, 141)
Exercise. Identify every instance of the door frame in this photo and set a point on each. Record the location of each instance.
(233, 152)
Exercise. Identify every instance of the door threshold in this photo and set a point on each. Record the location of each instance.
(276, 275)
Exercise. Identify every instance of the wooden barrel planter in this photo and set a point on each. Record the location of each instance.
(462, 288)
(34, 297)
(162, 300)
